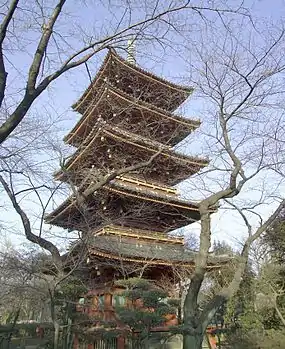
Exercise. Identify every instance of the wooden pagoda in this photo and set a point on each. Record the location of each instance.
(127, 119)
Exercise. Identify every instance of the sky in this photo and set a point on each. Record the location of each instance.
(171, 64)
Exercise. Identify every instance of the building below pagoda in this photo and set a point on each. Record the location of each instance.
(122, 173)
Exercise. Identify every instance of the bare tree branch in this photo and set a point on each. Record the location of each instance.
(3, 31)
(47, 245)
(42, 46)
(83, 55)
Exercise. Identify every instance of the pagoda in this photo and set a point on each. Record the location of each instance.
(128, 121)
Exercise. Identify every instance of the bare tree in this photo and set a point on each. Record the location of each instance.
(242, 85)
(45, 66)
(53, 56)
(241, 89)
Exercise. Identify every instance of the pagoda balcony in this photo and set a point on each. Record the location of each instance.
(139, 234)
(145, 246)
(125, 204)
(109, 148)
(108, 249)
(134, 115)
(134, 81)
(115, 251)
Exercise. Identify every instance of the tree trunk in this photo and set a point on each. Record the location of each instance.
(56, 335)
(56, 325)
(193, 341)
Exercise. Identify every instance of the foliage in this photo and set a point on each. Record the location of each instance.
(134, 283)
(71, 289)
(146, 308)
(257, 324)
(257, 340)
(222, 247)
(275, 239)
(243, 302)
(270, 295)
(272, 275)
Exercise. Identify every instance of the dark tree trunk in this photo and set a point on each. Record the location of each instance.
(193, 341)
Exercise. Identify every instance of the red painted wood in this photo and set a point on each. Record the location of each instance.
(120, 343)
(75, 342)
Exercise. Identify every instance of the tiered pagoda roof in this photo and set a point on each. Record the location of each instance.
(132, 114)
(144, 246)
(135, 81)
(116, 148)
(126, 202)
(127, 119)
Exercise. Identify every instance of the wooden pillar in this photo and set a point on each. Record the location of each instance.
(108, 307)
(75, 342)
(108, 300)
(120, 342)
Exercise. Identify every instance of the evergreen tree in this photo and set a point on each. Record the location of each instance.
(147, 308)
(142, 311)
(274, 272)
(275, 239)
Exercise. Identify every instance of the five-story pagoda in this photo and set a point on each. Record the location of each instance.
(128, 128)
